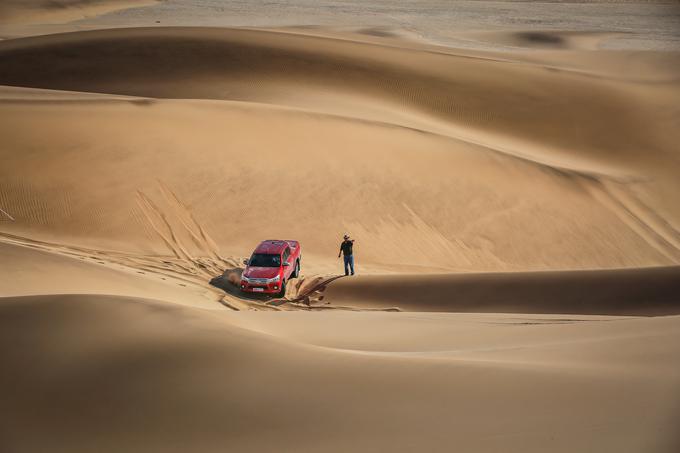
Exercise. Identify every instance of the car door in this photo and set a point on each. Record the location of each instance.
(287, 270)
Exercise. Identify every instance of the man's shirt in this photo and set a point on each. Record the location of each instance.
(346, 247)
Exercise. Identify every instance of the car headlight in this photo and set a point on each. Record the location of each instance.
(275, 279)
(244, 278)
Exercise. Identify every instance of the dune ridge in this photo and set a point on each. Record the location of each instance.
(616, 292)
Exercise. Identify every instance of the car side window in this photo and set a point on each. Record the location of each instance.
(286, 254)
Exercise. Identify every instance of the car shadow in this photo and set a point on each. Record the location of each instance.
(231, 278)
(229, 281)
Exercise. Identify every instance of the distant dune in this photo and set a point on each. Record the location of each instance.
(50, 11)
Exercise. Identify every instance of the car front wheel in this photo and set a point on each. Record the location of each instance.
(282, 291)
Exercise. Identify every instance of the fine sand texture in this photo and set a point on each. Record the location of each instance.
(515, 212)
(432, 159)
(122, 374)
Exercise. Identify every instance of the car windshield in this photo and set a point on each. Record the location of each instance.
(265, 260)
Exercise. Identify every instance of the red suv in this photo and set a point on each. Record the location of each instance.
(270, 266)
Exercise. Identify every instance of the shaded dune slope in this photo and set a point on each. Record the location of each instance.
(125, 374)
(627, 292)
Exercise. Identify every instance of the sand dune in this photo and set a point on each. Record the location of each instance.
(529, 198)
(440, 131)
(392, 208)
(508, 104)
(627, 292)
(59, 11)
(157, 377)
(33, 272)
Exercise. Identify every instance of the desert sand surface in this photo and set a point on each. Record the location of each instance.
(512, 186)
(39, 12)
(179, 379)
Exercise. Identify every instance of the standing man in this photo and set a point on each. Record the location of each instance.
(346, 250)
